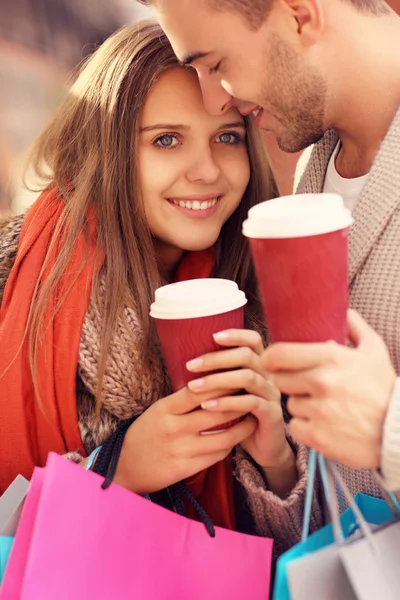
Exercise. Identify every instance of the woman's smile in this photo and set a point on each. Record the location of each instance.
(196, 207)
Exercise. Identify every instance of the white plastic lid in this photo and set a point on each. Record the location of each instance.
(196, 298)
(297, 216)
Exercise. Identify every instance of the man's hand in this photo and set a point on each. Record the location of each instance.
(338, 396)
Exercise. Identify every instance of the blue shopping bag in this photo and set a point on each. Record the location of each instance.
(5, 549)
(374, 510)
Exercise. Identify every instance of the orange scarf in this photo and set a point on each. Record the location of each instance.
(28, 432)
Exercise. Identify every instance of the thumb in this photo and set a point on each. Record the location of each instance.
(359, 331)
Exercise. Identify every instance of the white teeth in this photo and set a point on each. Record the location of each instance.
(255, 112)
(195, 204)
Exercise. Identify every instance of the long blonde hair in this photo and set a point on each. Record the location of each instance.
(88, 152)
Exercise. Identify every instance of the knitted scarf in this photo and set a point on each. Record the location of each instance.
(29, 430)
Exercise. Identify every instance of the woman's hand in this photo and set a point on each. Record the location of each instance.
(165, 445)
(267, 444)
(169, 441)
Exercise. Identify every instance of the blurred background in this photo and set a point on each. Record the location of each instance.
(41, 44)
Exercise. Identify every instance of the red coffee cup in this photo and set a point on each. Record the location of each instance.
(299, 246)
(187, 314)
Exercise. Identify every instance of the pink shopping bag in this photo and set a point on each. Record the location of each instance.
(12, 584)
(78, 541)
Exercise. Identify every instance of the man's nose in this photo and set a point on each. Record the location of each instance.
(216, 99)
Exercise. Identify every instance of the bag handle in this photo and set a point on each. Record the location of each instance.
(107, 462)
(329, 477)
(336, 478)
(315, 460)
(334, 484)
(312, 468)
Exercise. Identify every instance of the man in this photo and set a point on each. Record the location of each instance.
(323, 72)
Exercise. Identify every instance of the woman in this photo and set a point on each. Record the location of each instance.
(143, 187)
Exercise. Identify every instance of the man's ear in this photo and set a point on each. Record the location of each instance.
(309, 18)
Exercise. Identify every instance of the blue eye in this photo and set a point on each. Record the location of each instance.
(229, 138)
(166, 141)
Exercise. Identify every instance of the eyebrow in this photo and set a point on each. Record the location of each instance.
(233, 125)
(165, 126)
(191, 58)
(172, 127)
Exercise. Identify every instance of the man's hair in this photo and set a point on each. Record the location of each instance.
(256, 11)
(376, 7)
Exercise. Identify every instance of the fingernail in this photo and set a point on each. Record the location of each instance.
(221, 336)
(194, 364)
(196, 384)
(209, 404)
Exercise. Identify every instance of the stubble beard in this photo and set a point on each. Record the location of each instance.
(296, 97)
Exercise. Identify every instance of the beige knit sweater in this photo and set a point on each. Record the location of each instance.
(122, 398)
(374, 276)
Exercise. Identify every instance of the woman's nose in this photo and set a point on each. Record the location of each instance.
(203, 167)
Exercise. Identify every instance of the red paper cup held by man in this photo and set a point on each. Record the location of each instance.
(299, 248)
(187, 314)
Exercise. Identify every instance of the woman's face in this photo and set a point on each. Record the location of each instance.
(194, 167)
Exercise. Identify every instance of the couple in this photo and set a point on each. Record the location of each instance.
(133, 155)
(323, 72)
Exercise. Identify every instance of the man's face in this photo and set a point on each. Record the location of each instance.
(250, 68)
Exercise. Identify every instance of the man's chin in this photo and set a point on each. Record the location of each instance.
(297, 144)
(290, 148)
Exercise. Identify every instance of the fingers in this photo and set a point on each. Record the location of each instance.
(312, 382)
(300, 357)
(185, 401)
(319, 438)
(236, 358)
(335, 444)
(201, 420)
(306, 408)
(204, 461)
(322, 440)
(226, 439)
(240, 337)
(306, 433)
(240, 404)
(360, 333)
(245, 379)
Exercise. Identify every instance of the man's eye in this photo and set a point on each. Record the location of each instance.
(215, 69)
(166, 141)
